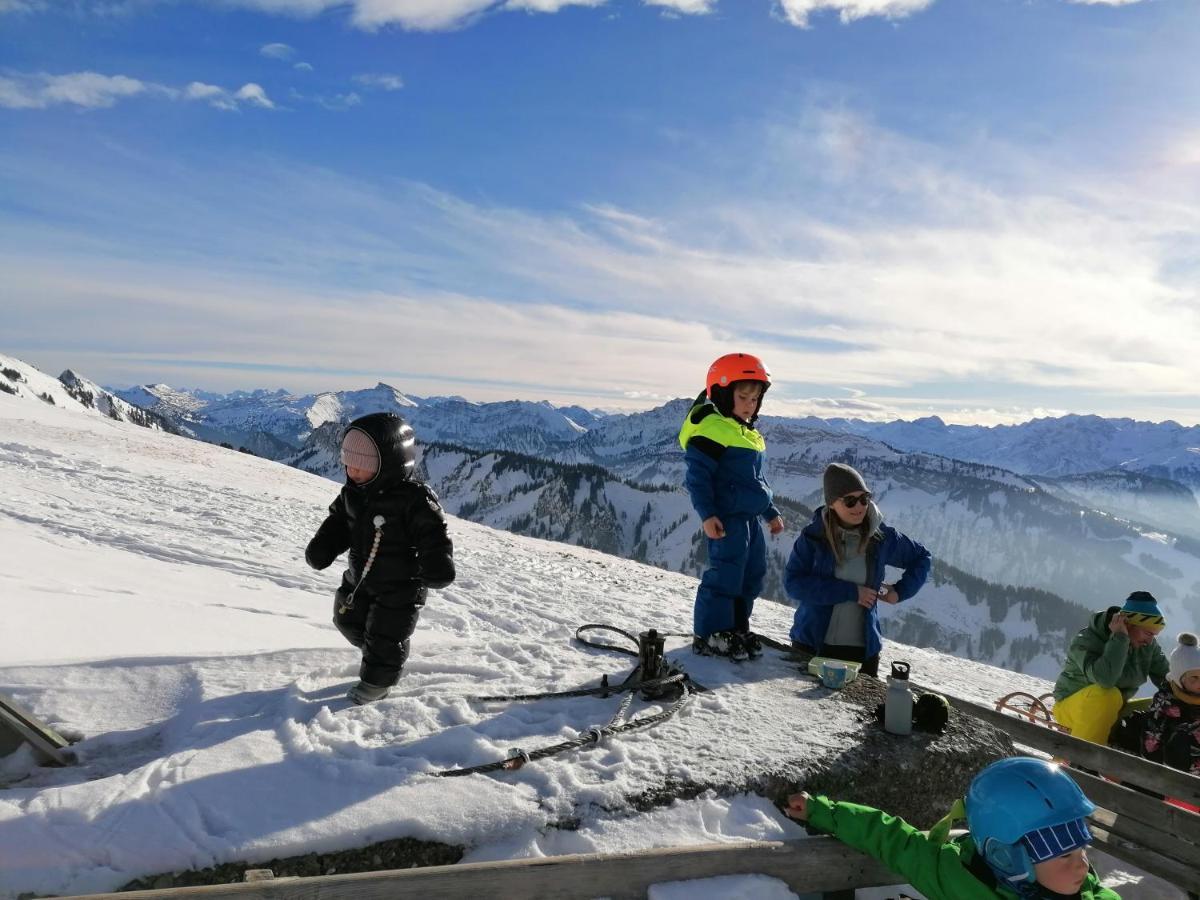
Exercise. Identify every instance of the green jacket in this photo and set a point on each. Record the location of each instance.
(1097, 656)
(940, 871)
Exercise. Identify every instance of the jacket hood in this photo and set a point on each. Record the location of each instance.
(396, 443)
(1099, 621)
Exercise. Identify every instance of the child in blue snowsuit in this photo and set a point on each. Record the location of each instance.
(728, 489)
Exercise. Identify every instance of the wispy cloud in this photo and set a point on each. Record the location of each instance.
(548, 6)
(91, 90)
(252, 94)
(797, 12)
(444, 15)
(277, 51)
(687, 7)
(303, 67)
(381, 81)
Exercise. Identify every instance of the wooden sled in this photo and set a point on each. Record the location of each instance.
(1034, 709)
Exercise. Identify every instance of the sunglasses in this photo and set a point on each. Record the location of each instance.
(852, 500)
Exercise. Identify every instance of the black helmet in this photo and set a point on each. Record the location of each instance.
(394, 439)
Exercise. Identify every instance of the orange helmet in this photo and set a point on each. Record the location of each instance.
(737, 367)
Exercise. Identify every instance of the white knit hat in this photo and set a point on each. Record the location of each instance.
(359, 451)
(1184, 658)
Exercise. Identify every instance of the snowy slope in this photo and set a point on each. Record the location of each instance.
(156, 605)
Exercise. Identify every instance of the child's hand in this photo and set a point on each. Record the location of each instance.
(775, 525)
(797, 807)
(713, 528)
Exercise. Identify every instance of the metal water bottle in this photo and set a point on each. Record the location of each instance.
(898, 708)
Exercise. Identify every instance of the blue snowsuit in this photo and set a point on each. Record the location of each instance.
(810, 579)
(725, 479)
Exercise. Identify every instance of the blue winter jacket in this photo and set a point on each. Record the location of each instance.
(724, 465)
(809, 579)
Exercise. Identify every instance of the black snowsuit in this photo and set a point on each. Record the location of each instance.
(415, 552)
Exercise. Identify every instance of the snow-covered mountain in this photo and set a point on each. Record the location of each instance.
(95, 397)
(1066, 445)
(72, 392)
(276, 424)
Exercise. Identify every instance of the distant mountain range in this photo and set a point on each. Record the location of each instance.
(1067, 445)
(1021, 549)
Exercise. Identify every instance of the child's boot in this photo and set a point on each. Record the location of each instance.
(363, 692)
(721, 643)
(754, 647)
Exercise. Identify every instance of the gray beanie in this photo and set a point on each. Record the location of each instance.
(1184, 658)
(840, 480)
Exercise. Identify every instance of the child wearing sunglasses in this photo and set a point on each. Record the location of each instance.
(837, 568)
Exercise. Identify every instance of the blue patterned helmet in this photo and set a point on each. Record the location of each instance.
(1022, 811)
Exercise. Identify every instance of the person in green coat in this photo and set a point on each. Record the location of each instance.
(1027, 837)
(1107, 662)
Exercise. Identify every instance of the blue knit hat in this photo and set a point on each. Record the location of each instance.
(1141, 609)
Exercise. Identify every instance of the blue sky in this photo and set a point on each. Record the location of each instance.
(984, 209)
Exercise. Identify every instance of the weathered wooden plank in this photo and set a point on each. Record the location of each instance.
(1151, 815)
(1142, 772)
(1180, 874)
(1161, 842)
(43, 740)
(814, 865)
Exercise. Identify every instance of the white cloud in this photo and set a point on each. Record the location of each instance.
(381, 81)
(797, 11)
(688, 7)
(91, 90)
(443, 15)
(338, 102)
(277, 51)
(303, 67)
(417, 15)
(86, 89)
(219, 97)
(548, 6)
(254, 95)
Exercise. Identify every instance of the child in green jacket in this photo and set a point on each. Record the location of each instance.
(1027, 837)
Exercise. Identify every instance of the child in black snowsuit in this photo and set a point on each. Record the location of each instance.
(395, 531)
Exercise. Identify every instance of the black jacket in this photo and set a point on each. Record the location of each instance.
(415, 551)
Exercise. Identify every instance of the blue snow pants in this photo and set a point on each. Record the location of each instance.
(737, 565)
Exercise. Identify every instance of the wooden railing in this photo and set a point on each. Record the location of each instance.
(812, 865)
